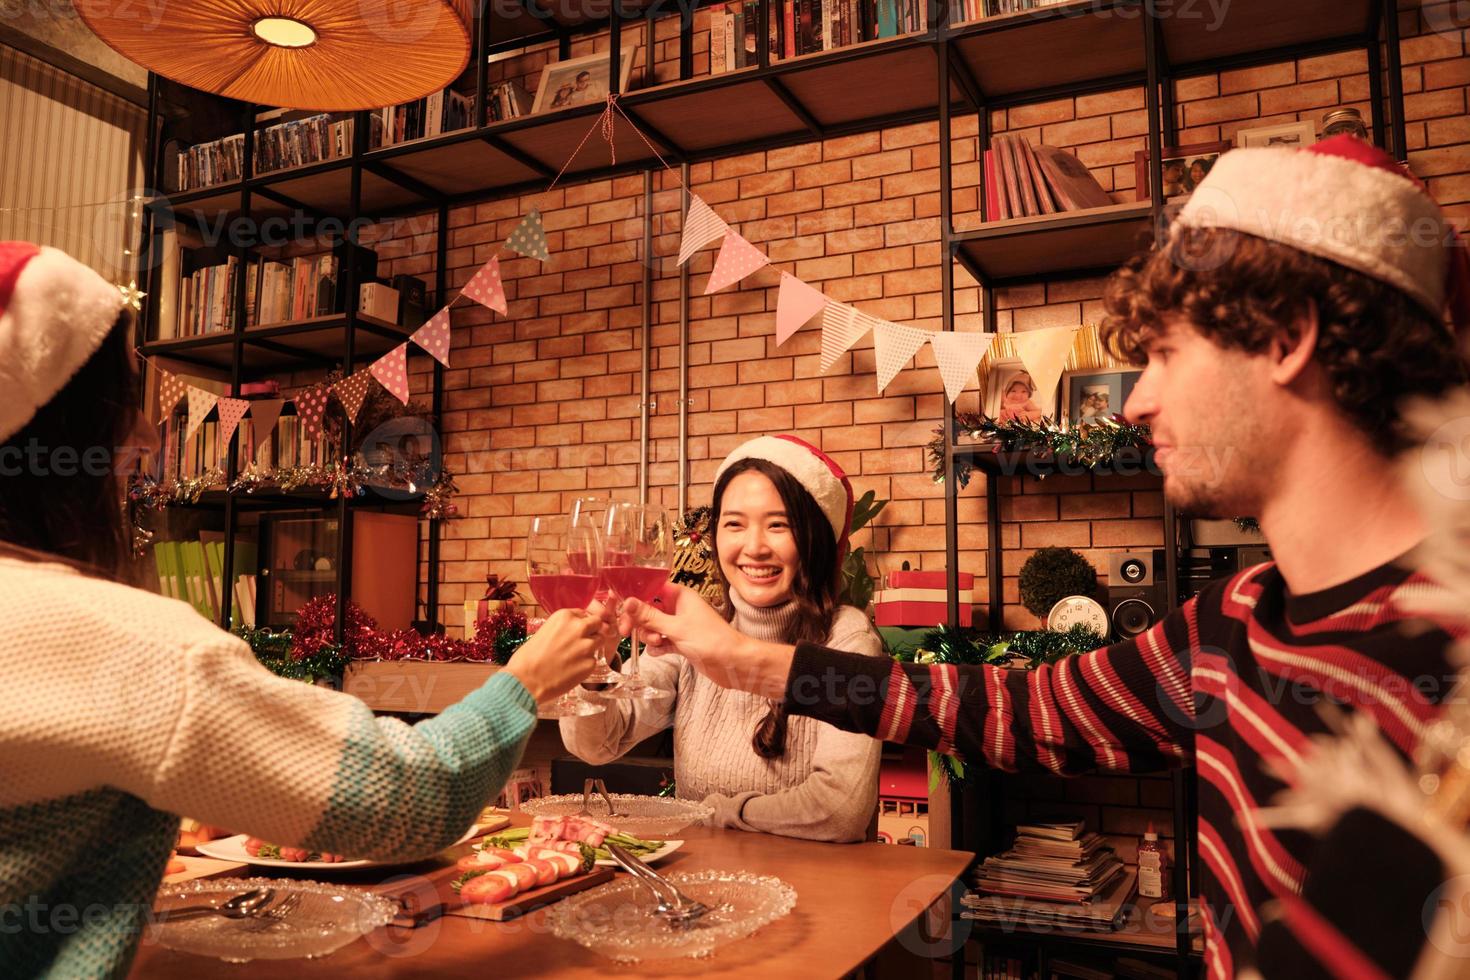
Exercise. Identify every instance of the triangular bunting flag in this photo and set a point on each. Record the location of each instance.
(958, 354)
(737, 259)
(231, 411)
(842, 326)
(391, 370)
(263, 416)
(311, 405)
(701, 226)
(170, 390)
(1044, 353)
(200, 402)
(433, 336)
(894, 345)
(352, 391)
(486, 288)
(796, 303)
(529, 238)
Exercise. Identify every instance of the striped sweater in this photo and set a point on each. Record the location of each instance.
(1229, 682)
(123, 709)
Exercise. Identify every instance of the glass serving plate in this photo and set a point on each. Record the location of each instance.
(328, 918)
(641, 816)
(618, 919)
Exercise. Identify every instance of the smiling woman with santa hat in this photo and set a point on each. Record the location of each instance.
(118, 702)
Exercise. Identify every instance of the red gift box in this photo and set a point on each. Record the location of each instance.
(909, 579)
(910, 613)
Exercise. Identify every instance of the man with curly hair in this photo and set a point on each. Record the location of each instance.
(1299, 300)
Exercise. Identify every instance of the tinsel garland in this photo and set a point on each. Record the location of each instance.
(1248, 524)
(498, 636)
(439, 498)
(1090, 444)
(1023, 650)
(154, 494)
(275, 651)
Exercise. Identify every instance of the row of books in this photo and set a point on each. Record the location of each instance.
(187, 456)
(441, 112)
(1022, 180)
(194, 572)
(275, 292)
(798, 27)
(220, 161)
(1054, 874)
(975, 9)
(299, 142)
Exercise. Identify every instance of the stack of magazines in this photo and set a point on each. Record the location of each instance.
(1056, 874)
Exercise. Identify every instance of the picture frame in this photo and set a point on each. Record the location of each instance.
(1093, 395)
(1187, 164)
(1010, 394)
(1290, 135)
(558, 87)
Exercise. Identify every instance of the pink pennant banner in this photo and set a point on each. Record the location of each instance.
(796, 304)
(486, 288)
(958, 355)
(263, 416)
(842, 326)
(200, 403)
(231, 411)
(701, 226)
(311, 405)
(170, 390)
(737, 259)
(433, 336)
(352, 391)
(894, 345)
(391, 370)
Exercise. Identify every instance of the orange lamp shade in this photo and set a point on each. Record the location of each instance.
(332, 55)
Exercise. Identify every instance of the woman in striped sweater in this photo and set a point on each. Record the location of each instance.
(124, 709)
(1283, 324)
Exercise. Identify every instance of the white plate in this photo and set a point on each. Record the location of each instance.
(670, 846)
(233, 849)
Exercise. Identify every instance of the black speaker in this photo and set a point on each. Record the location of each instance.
(1137, 592)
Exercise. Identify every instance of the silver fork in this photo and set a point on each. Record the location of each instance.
(674, 905)
(591, 786)
(269, 917)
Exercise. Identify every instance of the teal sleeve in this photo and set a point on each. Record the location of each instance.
(403, 791)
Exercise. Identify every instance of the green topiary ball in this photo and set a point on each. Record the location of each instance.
(1051, 575)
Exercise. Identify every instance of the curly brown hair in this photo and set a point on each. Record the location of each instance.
(1376, 344)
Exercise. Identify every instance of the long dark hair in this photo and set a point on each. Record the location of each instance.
(58, 494)
(814, 587)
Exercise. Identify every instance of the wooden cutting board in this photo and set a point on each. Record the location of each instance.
(526, 901)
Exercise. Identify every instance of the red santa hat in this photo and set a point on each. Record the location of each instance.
(817, 472)
(54, 314)
(1346, 201)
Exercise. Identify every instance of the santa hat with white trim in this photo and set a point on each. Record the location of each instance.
(54, 314)
(817, 472)
(1346, 201)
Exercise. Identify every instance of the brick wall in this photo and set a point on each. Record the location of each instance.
(544, 403)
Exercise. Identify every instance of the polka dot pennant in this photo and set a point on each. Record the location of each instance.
(311, 405)
(170, 390)
(433, 336)
(486, 288)
(391, 370)
(529, 238)
(200, 403)
(958, 355)
(737, 259)
(352, 391)
(231, 411)
(894, 345)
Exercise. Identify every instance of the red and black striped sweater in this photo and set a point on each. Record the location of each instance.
(1227, 682)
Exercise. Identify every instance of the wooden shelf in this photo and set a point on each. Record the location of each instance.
(1127, 462)
(1142, 932)
(413, 686)
(272, 346)
(1001, 252)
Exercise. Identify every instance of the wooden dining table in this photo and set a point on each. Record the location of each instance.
(852, 901)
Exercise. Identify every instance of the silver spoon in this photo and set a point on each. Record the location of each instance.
(235, 907)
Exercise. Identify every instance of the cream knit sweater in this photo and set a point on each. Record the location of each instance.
(123, 709)
(824, 788)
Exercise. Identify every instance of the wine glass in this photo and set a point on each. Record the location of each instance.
(638, 549)
(591, 511)
(562, 563)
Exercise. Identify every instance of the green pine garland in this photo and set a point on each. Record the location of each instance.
(1090, 444)
(1024, 650)
(273, 650)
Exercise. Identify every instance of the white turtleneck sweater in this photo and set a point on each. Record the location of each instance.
(825, 786)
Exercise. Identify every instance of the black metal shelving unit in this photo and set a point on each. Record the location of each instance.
(1070, 50)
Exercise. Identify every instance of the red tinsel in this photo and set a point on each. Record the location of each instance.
(496, 640)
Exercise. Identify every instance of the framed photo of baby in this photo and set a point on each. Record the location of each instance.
(1011, 394)
(579, 81)
(1090, 396)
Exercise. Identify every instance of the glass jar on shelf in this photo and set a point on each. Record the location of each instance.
(1345, 122)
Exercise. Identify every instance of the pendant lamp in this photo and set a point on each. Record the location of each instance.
(332, 55)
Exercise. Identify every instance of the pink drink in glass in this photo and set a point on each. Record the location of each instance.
(643, 582)
(567, 591)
